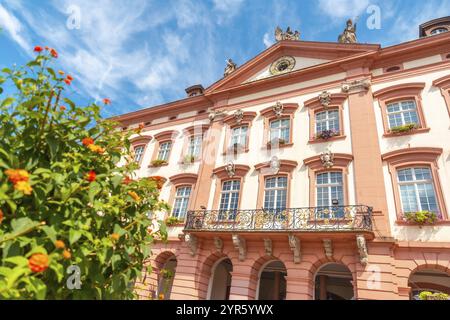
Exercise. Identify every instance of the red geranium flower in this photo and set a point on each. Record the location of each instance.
(91, 176)
(38, 49)
(106, 101)
(54, 53)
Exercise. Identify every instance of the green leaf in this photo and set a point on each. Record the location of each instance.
(94, 189)
(74, 235)
(8, 101)
(38, 286)
(50, 232)
(19, 261)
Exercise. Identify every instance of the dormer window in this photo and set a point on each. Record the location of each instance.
(438, 31)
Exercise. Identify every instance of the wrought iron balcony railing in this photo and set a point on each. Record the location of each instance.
(313, 219)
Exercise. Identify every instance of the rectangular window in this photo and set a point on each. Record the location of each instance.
(164, 150)
(275, 194)
(280, 130)
(417, 190)
(229, 199)
(239, 136)
(329, 195)
(138, 153)
(195, 146)
(402, 113)
(327, 120)
(181, 202)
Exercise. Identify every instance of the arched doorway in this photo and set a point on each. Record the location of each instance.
(333, 281)
(165, 278)
(272, 281)
(220, 281)
(429, 282)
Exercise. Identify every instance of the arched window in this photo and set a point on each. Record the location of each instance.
(278, 124)
(181, 194)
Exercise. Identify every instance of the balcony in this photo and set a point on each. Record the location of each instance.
(356, 218)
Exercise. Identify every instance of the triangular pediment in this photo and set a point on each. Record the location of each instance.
(286, 57)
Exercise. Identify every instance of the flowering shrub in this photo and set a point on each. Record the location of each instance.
(421, 217)
(326, 134)
(63, 198)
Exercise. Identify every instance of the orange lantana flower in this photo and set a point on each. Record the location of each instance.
(23, 186)
(16, 175)
(59, 244)
(38, 262)
(96, 149)
(115, 236)
(66, 254)
(54, 53)
(87, 141)
(61, 72)
(106, 101)
(38, 49)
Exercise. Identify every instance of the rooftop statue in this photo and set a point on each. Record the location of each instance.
(231, 66)
(349, 34)
(288, 35)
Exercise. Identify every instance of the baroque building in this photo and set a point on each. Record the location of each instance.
(316, 170)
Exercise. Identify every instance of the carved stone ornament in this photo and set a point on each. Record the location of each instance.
(231, 66)
(362, 248)
(278, 109)
(218, 243)
(268, 246)
(325, 99)
(282, 65)
(328, 247)
(294, 243)
(192, 242)
(327, 159)
(230, 168)
(288, 35)
(238, 116)
(275, 164)
(215, 114)
(356, 86)
(240, 244)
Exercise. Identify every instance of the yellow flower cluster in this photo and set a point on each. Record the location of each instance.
(96, 149)
(20, 179)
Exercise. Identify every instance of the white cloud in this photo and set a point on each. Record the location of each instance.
(267, 39)
(343, 8)
(227, 9)
(10, 23)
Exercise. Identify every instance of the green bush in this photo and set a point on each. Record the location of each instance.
(63, 198)
(404, 128)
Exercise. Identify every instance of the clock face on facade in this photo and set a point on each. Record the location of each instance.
(282, 65)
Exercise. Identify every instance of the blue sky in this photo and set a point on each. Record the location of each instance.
(143, 53)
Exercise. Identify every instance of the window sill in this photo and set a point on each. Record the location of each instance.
(235, 152)
(318, 140)
(407, 133)
(280, 146)
(415, 224)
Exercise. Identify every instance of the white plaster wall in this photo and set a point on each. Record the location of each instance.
(422, 62)
(437, 119)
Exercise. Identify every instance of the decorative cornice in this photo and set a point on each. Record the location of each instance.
(339, 160)
(140, 140)
(166, 135)
(397, 89)
(240, 170)
(288, 108)
(184, 178)
(232, 119)
(286, 166)
(419, 153)
(336, 99)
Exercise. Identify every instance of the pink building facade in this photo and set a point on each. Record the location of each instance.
(313, 171)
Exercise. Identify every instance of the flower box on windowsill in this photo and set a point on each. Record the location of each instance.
(173, 222)
(427, 295)
(189, 159)
(403, 129)
(407, 132)
(326, 135)
(158, 163)
(421, 217)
